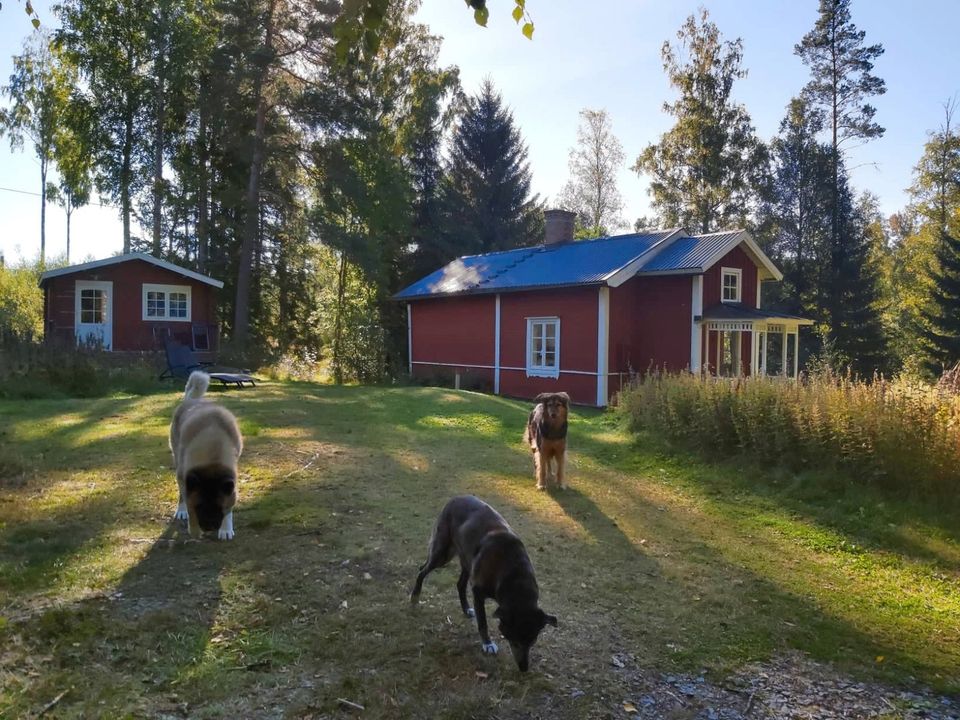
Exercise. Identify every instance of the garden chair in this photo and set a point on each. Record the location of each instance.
(181, 362)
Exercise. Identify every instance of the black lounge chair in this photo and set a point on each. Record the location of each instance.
(181, 362)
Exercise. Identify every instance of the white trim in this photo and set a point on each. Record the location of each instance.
(696, 310)
(759, 283)
(754, 352)
(125, 258)
(796, 354)
(542, 370)
(105, 285)
(459, 365)
(166, 290)
(410, 337)
(496, 346)
(603, 344)
(502, 367)
(766, 340)
(733, 272)
(621, 275)
(562, 372)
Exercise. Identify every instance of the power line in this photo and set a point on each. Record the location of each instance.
(36, 194)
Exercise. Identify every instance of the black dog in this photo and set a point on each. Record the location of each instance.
(496, 564)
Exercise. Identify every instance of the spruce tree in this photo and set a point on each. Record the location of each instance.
(487, 188)
(941, 339)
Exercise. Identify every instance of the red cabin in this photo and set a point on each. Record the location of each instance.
(585, 316)
(130, 302)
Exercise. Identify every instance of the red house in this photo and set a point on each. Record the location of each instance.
(585, 316)
(130, 302)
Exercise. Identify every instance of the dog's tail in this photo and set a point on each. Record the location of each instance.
(197, 385)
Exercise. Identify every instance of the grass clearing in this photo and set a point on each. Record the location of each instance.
(683, 565)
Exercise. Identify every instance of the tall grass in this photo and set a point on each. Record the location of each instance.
(897, 435)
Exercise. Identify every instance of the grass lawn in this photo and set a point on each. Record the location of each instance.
(677, 565)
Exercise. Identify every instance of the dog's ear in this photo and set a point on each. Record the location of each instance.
(566, 398)
(549, 619)
(541, 397)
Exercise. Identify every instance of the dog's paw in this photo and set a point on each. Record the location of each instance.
(490, 648)
(541, 487)
(181, 513)
(470, 613)
(225, 534)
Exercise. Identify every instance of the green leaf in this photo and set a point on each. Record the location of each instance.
(29, 8)
(528, 30)
(481, 15)
(36, 23)
(521, 4)
(517, 13)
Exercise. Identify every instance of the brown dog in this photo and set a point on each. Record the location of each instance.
(546, 434)
(495, 562)
(206, 444)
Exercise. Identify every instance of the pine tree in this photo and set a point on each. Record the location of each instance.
(487, 189)
(709, 170)
(841, 84)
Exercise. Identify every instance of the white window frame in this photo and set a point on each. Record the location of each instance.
(738, 274)
(166, 290)
(542, 370)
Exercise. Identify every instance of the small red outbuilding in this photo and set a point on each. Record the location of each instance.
(584, 316)
(130, 302)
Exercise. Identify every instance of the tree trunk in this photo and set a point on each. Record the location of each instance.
(160, 107)
(241, 322)
(338, 322)
(43, 212)
(203, 207)
(69, 211)
(125, 177)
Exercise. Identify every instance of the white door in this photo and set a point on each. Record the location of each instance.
(94, 318)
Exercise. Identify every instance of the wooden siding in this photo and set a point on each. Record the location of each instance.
(130, 331)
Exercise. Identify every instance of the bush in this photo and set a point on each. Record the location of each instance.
(31, 370)
(897, 435)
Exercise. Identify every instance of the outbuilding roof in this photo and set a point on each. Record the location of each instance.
(738, 311)
(602, 261)
(127, 257)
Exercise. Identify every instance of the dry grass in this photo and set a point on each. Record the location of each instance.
(896, 435)
(684, 565)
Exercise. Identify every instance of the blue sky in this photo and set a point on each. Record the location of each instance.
(604, 55)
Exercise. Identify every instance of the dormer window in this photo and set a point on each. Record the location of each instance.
(731, 284)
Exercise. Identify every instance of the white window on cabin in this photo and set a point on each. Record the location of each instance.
(731, 284)
(543, 347)
(166, 302)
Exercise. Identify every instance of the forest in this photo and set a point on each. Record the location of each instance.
(317, 157)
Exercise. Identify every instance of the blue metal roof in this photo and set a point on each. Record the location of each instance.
(689, 253)
(585, 262)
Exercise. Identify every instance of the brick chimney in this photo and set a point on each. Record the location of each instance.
(558, 226)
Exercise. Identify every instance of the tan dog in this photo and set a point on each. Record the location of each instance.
(546, 433)
(206, 444)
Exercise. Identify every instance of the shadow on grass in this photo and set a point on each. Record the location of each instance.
(866, 515)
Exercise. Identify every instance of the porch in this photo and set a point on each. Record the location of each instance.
(737, 340)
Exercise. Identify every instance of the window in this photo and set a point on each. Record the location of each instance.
(93, 306)
(731, 285)
(166, 302)
(543, 347)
